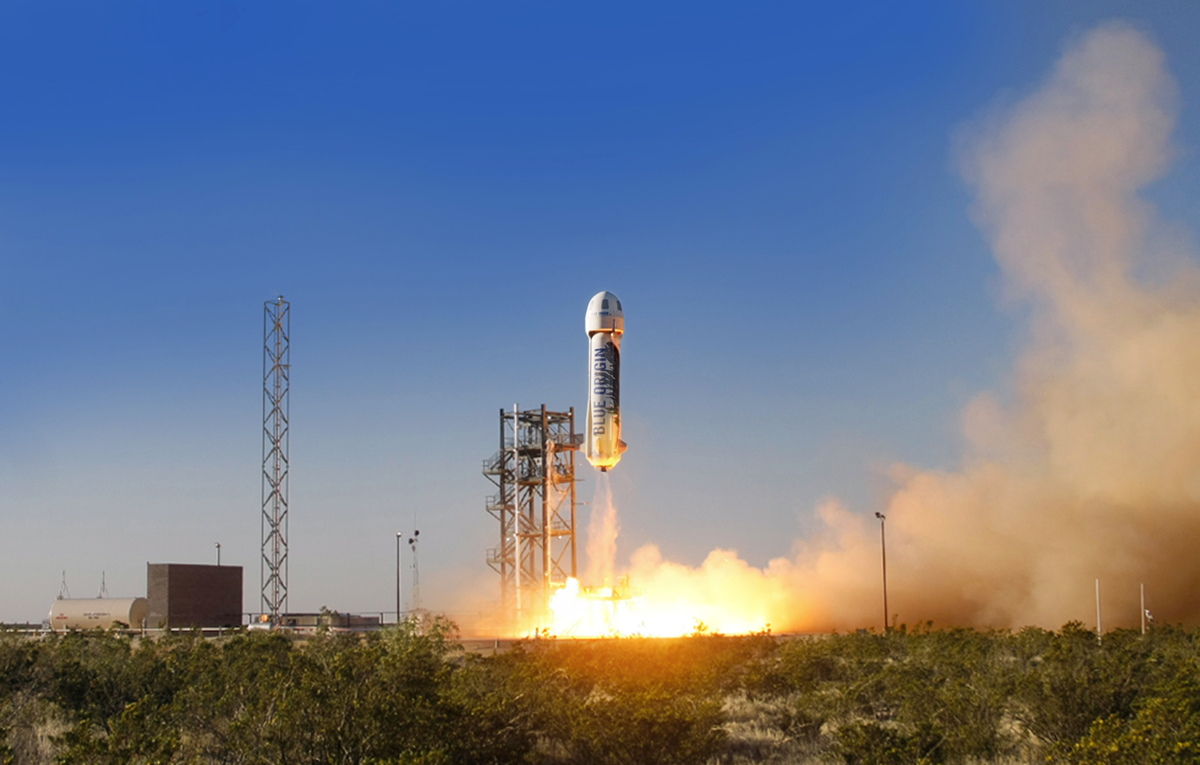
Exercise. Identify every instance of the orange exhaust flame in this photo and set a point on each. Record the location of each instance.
(658, 598)
(577, 611)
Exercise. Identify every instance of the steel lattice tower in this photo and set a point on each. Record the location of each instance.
(276, 374)
(535, 473)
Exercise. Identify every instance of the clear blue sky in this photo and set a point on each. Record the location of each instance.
(438, 189)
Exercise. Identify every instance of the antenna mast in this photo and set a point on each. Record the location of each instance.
(276, 382)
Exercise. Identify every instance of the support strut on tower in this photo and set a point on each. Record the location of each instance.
(276, 382)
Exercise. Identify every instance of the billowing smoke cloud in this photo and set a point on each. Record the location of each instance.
(1093, 470)
(1089, 468)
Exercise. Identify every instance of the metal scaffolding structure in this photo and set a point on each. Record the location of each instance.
(276, 382)
(535, 505)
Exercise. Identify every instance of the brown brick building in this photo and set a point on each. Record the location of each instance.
(186, 595)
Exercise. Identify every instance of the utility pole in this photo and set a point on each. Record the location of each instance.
(416, 572)
(883, 550)
(399, 536)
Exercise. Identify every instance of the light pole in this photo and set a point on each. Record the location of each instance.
(416, 572)
(399, 536)
(883, 551)
(218, 545)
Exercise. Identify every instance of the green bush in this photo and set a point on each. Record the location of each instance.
(410, 695)
(1165, 727)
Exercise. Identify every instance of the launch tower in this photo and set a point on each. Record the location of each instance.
(535, 474)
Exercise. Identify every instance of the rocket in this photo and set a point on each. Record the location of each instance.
(605, 323)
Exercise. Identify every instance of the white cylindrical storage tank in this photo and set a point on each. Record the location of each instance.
(98, 613)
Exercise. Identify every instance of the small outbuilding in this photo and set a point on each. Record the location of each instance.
(185, 595)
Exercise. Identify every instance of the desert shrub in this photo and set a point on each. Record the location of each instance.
(339, 699)
(1165, 727)
(626, 701)
(805, 664)
(409, 695)
(1076, 680)
(870, 743)
(957, 684)
(767, 729)
(643, 727)
(491, 720)
(263, 697)
(18, 663)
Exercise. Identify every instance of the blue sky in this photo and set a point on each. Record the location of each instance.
(439, 189)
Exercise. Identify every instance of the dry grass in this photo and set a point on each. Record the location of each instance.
(767, 730)
(33, 727)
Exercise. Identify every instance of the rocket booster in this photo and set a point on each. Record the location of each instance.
(605, 323)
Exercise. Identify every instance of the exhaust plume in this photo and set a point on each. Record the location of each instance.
(603, 529)
(1090, 466)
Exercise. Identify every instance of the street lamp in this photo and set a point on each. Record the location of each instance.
(416, 572)
(883, 550)
(218, 545)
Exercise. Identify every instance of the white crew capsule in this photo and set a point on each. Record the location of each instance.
(605, 323)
